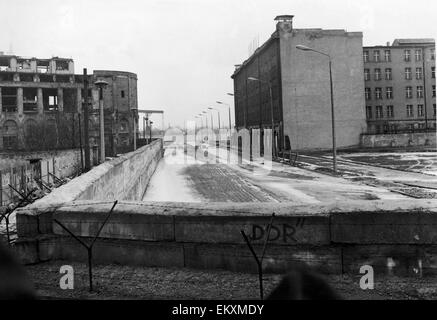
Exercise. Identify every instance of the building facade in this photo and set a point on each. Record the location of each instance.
(41, 105)
(400, 86)
(300, 83)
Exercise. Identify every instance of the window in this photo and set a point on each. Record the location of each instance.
(368, 93)
(420, 110)
(408, 73)
(409, 92)
(10, 134)
(378, 93)
(388, 75)
(389, 92)
(377, 74)
(366, 74)
(366, 56)
(407, 55)
(122, 93)
(387, 55)
(420, 92)
(376, 56)
(379, 112)
(409, 110)
(418, 73)
(433, 72)
(369, 112)
(390, 112)
(433, 90)
(418, 54)
(432, 54)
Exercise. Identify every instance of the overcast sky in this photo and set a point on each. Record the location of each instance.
(184, 51)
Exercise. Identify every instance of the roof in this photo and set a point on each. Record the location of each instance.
(256, 53)
(275, 35)
(403, 42)
(284, 17)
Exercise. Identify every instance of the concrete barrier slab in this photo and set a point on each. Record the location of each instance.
(290, 230)
(278, 259)
(109, 251)
(86, 222)
(396, 227)
(397, 260)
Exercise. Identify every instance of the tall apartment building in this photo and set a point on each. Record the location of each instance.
(300, 84)
(400, 86)
(41, 105)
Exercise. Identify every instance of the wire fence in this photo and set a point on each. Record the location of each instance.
(22, 185)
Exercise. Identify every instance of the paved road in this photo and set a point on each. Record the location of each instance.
(182, 178)
(220, 183)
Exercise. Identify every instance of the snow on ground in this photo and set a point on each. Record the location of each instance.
(288, 183)
(317, 187)
(168, 183)
(421, 162)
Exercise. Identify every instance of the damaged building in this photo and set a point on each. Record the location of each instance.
(41, 105)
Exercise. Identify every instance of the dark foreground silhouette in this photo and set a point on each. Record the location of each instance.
(302, 283)
(14, 284)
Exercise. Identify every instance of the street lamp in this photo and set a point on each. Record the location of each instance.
(334, 148)
(218, 115)
(229, 109)
(101, 84)
(204, 113)
(151, 122)
(212, 121)
(198, 117)
(244, 111)
(271, 109)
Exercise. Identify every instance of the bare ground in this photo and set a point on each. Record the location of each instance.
(127, 282)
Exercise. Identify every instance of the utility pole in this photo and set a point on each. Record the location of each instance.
(86, 121)
(102, 84)
(135, 129)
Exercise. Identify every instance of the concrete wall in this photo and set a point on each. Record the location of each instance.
(123, 178)
(334, 238)
(399, 140)
(306, 88)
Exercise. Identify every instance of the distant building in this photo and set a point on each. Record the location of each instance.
(41, 105)
(301, 88)
(400, 86)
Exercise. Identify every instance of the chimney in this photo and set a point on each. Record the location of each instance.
(285, 23)
(388, 44)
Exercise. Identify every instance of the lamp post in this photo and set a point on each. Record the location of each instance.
(204, 113)
(151, 122)
(218, 115)
(212, 121)
(101, 84)
(271, 109)
(199, 116)
(334, 147)
(229, 109)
